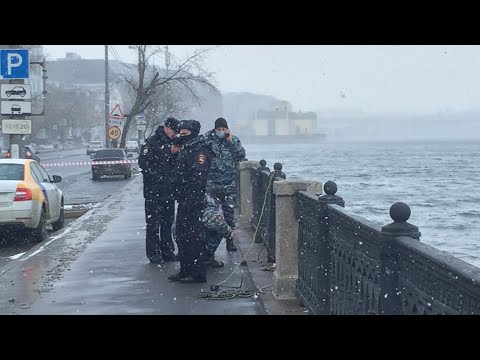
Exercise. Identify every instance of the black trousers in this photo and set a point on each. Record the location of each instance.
(191, 243)
(159, 215)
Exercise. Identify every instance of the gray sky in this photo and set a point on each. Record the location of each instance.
(375, 79)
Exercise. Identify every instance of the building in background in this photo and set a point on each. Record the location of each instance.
(283, 125)
(86, 78)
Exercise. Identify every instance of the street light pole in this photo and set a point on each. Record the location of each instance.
(167, 58)
(107, 97)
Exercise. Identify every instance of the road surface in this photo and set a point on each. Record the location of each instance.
(77, 184)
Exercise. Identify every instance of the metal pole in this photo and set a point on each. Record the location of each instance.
(107, 97)
(44, 92)
(167, 58)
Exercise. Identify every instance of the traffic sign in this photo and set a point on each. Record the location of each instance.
(18, 127)
(116, 113)
(16, 91)
(116, 122)
(141, 121)
(14, 64)
(114, 132)
(16, 107)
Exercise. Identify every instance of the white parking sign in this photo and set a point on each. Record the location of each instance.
(13, 126)
(15, 92)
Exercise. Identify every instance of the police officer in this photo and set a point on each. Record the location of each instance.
(156, 160)
(191, 171)
(215, 228)
(222, 177)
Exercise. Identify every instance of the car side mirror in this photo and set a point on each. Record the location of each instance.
(129, 155)
(57, 178)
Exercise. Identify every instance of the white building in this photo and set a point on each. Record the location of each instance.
(280, 120)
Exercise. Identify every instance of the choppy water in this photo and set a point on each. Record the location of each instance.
(439, 181)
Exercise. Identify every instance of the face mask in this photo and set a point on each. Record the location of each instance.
(220, 134)
(176, 140)
(184, 139)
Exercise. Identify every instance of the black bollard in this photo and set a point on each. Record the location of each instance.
(400, 213)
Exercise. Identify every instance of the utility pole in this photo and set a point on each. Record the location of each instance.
(107, 98)
(167, 58)
(167, 65)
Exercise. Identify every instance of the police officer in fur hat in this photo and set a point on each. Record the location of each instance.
(156, 161)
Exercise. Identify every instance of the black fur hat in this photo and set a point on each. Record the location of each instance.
(192, 125)
(221, 123)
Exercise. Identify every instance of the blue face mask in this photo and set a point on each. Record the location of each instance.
(220, 134)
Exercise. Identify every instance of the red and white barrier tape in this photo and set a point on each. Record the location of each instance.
(88, 163)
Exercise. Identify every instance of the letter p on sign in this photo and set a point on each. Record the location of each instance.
(13, 61)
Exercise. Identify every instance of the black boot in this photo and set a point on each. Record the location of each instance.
(178, 276)
(231, 246)
(211, 262)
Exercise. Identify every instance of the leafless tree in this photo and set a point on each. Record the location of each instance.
(145, 84)
(165, 103)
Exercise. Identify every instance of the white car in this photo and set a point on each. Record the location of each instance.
(132, 146)
(29, 198)
(93, 146)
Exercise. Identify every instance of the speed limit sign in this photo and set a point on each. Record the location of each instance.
(114, 132)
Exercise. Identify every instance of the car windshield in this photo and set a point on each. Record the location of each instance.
(109, 153)
(12, 171)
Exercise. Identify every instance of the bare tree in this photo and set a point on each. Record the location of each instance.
(165, 103)
(145, 84)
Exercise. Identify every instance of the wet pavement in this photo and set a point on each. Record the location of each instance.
(98, 266)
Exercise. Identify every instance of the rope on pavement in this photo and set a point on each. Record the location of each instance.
(216, 293)
(254, 237)
(225, 294)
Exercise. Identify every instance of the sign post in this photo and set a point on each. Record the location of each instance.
(116, 122)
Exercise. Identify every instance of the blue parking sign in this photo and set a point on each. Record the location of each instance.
(14, 64)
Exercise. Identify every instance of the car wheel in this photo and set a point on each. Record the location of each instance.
(60, 223)
(95, 177)
(128, 176)
(40, 233)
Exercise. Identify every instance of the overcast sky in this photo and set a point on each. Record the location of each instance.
(375, 79)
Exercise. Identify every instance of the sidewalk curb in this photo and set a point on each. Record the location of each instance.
(262, 275)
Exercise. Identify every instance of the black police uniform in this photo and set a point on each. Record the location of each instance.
(157, 162)
(191, 171)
